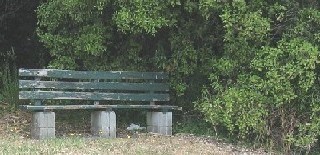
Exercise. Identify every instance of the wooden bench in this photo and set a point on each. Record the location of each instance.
(93, 88)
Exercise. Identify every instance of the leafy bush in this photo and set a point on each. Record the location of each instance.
(196, 126)
(257, 60)
(266, 90)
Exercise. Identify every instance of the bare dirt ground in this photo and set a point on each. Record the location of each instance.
(15, 139)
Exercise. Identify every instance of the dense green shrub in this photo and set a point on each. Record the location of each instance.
(257, 61)
(266, 88)
(278, 94)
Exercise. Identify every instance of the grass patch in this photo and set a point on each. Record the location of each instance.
(144, 144)
(14, 139)
(70, 145)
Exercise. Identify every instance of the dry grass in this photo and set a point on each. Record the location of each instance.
(79, 145)
(143, 144)
(14, 140)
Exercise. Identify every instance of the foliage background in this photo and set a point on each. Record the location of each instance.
(250, 67)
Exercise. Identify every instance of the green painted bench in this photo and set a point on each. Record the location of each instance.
(40, 85)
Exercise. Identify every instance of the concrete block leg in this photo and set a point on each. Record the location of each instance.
(43, 125)
(103, 124)
(159, 122)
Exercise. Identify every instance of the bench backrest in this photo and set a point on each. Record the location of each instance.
(39, 84)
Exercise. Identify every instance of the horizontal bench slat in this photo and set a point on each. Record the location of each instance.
(65, 95)
(26, 84)
(67, 107)
(69, 74)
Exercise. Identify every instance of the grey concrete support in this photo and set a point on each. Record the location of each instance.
(103, 124)
(43, 125)
(159, 122)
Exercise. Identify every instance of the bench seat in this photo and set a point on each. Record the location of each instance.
(106, 107)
